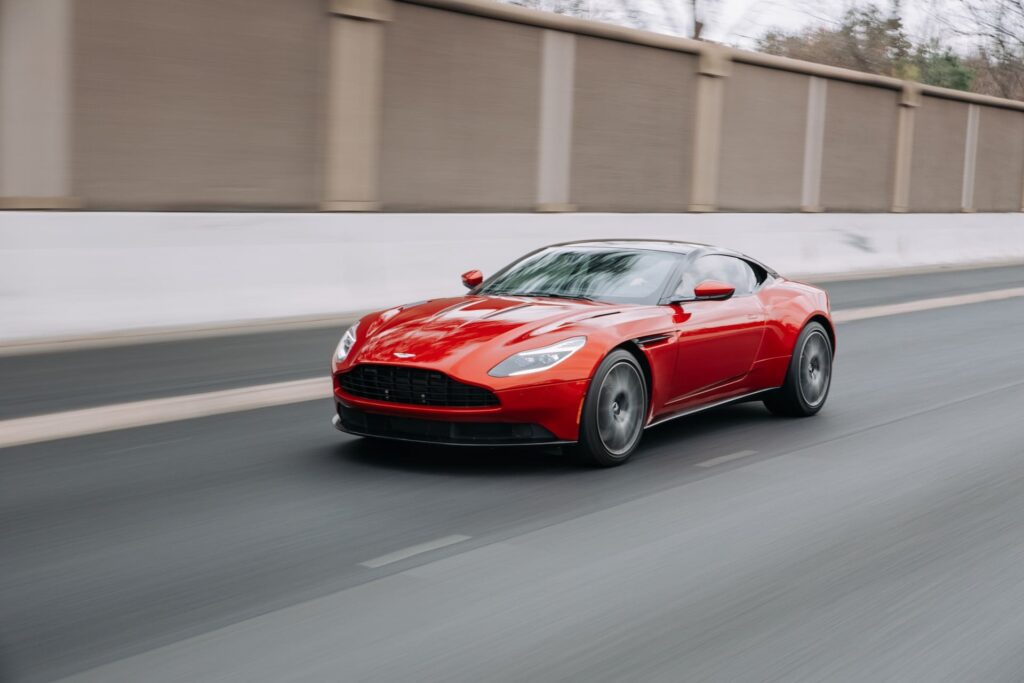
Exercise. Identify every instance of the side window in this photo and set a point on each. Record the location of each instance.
(728, 269)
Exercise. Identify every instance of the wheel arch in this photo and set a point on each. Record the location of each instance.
(827, 324)
(634, 349)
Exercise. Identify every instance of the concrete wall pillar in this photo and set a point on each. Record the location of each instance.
(814, 142)
(554, 153)
(35, 103)
(1022, 197)
(970, 157)
(909, 102)
(354, 107)
(712, 69)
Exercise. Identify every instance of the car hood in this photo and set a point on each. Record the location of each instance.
(442, 331)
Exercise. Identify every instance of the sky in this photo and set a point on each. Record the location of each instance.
(741, 22)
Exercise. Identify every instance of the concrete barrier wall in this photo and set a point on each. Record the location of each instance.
(940, 131)
(456, 105)
(74, 274)
(999, 172)
(197, 103)
(460, 107)
(764, 124)
(858, 151)
(632, 127)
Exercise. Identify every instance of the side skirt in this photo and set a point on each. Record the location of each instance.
(690, 411)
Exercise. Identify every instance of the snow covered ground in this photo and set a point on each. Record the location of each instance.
(79, 273)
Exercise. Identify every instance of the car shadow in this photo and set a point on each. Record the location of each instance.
(668, 439)
(455, 460)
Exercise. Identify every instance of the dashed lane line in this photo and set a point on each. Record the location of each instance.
(413, 550)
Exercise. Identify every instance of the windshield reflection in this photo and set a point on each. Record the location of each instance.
(612, 275)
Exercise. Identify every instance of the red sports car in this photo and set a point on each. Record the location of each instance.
(587, 344)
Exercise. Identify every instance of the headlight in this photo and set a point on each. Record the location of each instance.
(348, 340)
(535, 360)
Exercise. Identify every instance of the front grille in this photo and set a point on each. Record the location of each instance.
(413, 385)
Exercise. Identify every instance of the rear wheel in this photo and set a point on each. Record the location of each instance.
(809, 376)
(614, 411)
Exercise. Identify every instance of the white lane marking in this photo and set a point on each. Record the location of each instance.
(414, 550)
(726, 458)
(850, 314)
(37, 428)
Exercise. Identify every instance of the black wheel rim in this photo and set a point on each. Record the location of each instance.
(815, 368)
(620, 408)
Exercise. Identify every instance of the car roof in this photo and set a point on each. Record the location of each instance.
(654, 245)
(695, 249)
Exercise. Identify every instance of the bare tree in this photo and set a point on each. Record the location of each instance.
(697, 13)
(865, 39)
(998, 26)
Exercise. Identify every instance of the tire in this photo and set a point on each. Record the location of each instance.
(808, 378)
(614, 411)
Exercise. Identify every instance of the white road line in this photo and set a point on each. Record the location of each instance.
(726, 458)
(852, 314)
(73, 423)
(26, 430)
(414, 550)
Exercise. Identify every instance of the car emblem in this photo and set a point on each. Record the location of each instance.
(404, 355)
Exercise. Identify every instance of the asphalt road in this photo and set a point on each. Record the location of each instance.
(881, 540)
(58, 381)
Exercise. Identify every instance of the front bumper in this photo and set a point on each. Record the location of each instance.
(535, 414)
(441, 432)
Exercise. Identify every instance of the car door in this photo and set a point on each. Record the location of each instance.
(717, 341)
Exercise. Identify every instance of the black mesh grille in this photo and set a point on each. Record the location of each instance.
(413, 385)
(438, 431)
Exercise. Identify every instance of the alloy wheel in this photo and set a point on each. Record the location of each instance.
(621, 408)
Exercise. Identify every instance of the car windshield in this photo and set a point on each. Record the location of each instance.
(611, 275)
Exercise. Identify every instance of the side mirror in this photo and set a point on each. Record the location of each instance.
(713, 290)
(472, 278)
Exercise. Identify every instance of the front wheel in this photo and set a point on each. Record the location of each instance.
(614, 410)
(808, 378)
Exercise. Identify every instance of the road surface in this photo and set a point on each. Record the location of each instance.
(881, 540)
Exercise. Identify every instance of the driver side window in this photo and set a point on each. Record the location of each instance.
(728, 269)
